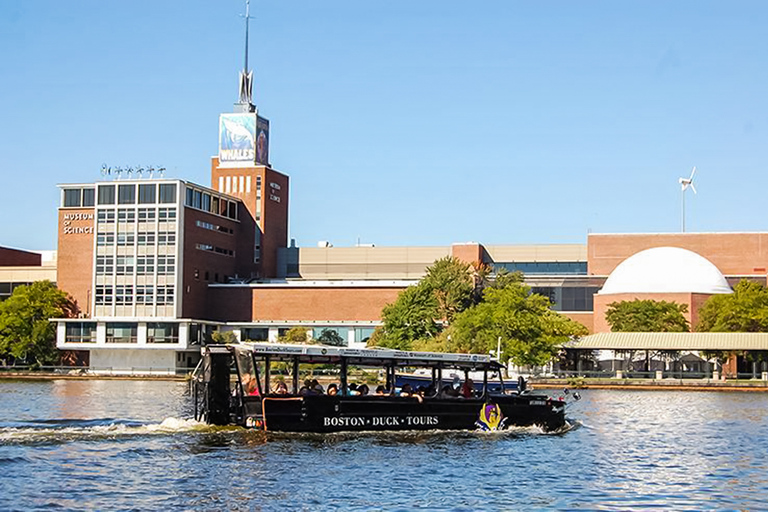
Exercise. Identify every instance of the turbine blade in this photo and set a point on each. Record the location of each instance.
(693, 188)
(692, 173)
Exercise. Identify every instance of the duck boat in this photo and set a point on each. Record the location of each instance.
(237, 385)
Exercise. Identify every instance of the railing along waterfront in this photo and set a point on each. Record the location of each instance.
(134, 371)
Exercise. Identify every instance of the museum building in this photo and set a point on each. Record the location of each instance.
(156, 265)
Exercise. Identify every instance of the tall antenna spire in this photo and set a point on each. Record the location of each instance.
(246, 77)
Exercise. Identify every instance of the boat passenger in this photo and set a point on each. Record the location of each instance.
(281, 388)
(316, 387)
(363, 389)
(352, 390)
(381, 391)
(448, 391)
(407, 392)
(250, 386)
(468, 388)
(333, 389)
(306, 389)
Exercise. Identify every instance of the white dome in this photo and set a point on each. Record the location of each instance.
(665, 270)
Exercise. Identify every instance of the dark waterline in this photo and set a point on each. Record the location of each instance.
(128, 445)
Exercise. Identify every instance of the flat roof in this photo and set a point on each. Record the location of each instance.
(372, 356)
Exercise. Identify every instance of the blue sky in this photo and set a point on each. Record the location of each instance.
(403, 122)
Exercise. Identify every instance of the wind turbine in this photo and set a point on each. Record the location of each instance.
(684, 184)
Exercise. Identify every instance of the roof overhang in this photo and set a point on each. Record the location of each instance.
(673, 341)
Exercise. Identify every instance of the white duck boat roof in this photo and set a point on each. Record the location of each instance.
(368, 356)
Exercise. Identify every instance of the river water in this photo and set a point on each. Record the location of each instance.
(131, 445)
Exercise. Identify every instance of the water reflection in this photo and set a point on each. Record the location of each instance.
(130, 444)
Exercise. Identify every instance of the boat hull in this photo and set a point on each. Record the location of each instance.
(324, 413)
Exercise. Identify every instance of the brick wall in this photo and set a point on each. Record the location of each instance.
(245, 304)
(75, 254)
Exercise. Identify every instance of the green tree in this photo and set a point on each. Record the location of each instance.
(331, 337)
(647, 316)
(411, 317)
(451, 281)
(224, 337)
(25, 330)
(295, 335)
(744, 310)
(530, 332)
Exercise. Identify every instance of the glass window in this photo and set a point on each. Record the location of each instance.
(166, 238)
(197, 199)
(145, 265)
(81, 332)
(167, 193)
(88, 197)
(104, 295)
(126, 194)
(107, 216)
(144, 294)
(255, 334)
(123, 294)
(545, 267)
(147, 214)
(124, 265)
(72, 197)
(105, 239)
(162, 333)
(147, 238)
(166, 265)
(232, 213)
(190, 196)
(214, 205)
(164, 214)
(120, 332)
(125, 215)
(164, 295)
(336, 336)
(106, 194)
(362, 334)
(105, 264)
(125, 239)
(147, 193)
(206, 202)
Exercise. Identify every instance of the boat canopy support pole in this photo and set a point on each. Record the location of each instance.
(295, 375)
(343, 376)
(485, 382)
(267, 375)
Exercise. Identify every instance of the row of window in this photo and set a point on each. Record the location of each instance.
(213, 248)
(569, 298)
(200, 200)
(163, 238)
(215, 227)
(238, 184)
(107, 216)
(328, 335)
(126, 295)
(141, 265)
(125, 332)
(131, 193)
(544, 267)
(77, 197)
(6, 289)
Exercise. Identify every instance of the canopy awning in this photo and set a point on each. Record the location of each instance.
(673, 341)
